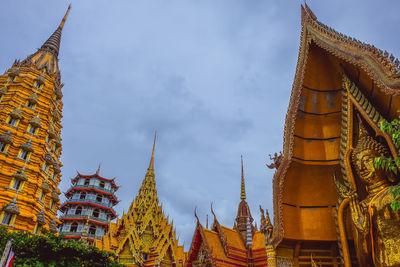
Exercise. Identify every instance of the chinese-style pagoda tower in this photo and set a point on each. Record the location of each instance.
(144, 236)
(243, 245)
(88, 208)
(30, 143)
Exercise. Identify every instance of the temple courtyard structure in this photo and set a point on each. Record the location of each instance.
(332, 204)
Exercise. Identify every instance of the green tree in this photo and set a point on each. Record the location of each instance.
(389, 163)
(51, 250)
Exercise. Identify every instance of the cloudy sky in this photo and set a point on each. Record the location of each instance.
(212, 77)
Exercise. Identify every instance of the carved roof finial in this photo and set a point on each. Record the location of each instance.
(195, 214)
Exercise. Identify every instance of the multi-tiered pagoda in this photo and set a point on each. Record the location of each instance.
(144, 236)
(88, 208)
(30, 142)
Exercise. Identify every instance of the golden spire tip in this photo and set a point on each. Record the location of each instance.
(151, 166)
(65, 17)
(242, 188)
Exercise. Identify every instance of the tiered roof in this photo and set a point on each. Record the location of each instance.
(144, 235)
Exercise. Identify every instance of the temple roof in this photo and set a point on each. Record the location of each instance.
(311, 149)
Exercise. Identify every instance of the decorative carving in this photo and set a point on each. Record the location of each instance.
(377, 226)
(277, 160)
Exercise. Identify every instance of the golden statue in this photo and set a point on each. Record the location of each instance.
(377, 234)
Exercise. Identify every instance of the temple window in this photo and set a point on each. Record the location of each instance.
(4, 147)
(78, 210)
(99, 198)
(96, 213)
(37, 229)
(48, 139)
(51, 204)
(24, 154)
(12, 121)
(54, 176)
(145, 256)
(87, 182)
(11, 78)
(102, 184)
(45, 167)
(38, 85)
(32, 129)
(74, 227)
(17, 184)
(82, 196)
(42, 195)
(30, 104)
(7, 218)
(92, 230)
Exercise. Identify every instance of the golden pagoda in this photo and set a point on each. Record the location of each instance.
(220, 246)
(144, 236)
(30, 143)
(331, 205)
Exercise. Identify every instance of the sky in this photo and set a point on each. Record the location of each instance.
(212, 77)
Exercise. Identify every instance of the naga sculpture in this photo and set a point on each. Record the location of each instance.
(377, 225)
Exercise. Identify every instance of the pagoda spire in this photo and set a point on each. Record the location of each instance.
(53, 43)
(151, 165)
(149, 184)
(242, 187)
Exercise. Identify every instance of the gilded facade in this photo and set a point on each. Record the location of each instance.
(30, 142)
(331, 204)
(144, 236)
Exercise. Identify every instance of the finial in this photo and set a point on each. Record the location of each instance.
(151, 165)
(65, 17)
(53, 43)
(242, 189)
(207, 221)
(98, 169)
(195, 214)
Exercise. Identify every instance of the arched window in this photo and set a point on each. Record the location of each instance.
(87, 181)
(78, 210)
(83, 195)
(96, 213)
(99, 198)
(74, 227)
(92, 230)
(102, 184)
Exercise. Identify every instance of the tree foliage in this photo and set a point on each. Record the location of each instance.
(388, 163)
(51, 250)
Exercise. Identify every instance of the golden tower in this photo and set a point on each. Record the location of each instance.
(144, 236)
(30, 143)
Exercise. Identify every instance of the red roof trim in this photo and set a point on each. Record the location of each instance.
(96, 176)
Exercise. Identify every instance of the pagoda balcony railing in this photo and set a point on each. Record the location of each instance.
(76, 186)
(79, 234)
(108, 206)
(84, 217)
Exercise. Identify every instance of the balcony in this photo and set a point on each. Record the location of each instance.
(90, 201)
(84, 217)
(109, 191)
(79, 234)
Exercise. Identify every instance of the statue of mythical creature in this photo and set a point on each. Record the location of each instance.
(377, 234)
(277, 160)
(266, 226)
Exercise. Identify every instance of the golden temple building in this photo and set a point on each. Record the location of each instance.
(331, 205)
(144, 236)
(30, 143)
(242, 245)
